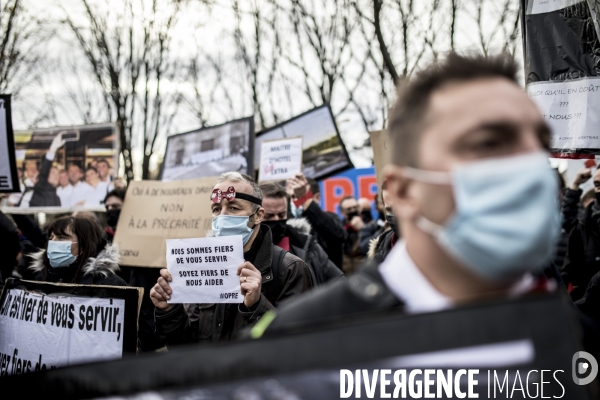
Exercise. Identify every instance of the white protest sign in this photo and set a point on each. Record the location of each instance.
(42, 331)
(545, 6)
(280, 159)
(204, 270)
(572, 109)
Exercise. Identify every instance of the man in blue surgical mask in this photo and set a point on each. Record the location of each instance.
(268, 276)
(473, 194)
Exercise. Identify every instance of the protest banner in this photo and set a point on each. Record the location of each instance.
(510, 348)
(204, 270)
(280, 159)
(65, 168)
(155, 211)
(381, 152)
(9, 179)
(48, 325)
(210, 151)
(561, 77)
(324, 153)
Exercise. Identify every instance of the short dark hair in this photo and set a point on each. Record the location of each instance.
(74, 165)
(91, 168)
(346, 198)
(102, 160)
(118, 192)
(273, 190)
(407, 118)
(314, 185)
(89, 236)
(383, 187)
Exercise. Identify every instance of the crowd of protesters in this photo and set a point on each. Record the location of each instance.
(469, 209)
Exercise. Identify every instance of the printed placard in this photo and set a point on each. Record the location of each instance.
(571, 109)
(280, 159)
(40, 331)
(204, 270)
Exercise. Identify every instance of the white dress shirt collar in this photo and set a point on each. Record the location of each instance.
(406, 281)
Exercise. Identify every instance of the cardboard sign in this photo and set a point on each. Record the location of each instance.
(155, 211)
(280, 159)
(381, 152)
(9, 180)
(205, 270)
(45, 326)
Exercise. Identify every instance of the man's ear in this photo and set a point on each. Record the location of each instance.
(260, 214)
(317, 197)
(404, 205)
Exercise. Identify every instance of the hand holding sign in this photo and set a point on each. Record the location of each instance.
(161, 292)
(251, 283)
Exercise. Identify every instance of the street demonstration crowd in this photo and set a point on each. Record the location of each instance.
(470, 210)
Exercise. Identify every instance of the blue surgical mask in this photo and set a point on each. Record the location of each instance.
(230, 225)
(506, 220)
(59, 253)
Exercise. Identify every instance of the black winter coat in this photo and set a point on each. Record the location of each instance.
(582, 261)
(304, 246)
(284, 275)
(327, 227)
(382, 245)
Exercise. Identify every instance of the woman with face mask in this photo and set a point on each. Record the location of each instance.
(77, 253)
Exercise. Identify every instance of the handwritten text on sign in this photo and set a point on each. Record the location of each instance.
(155, 211)
(280, 159)
(39, 332)
(572, 109)
(204, 270)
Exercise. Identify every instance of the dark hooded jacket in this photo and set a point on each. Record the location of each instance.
(380, 246)
(305, 247)
(99, 270)
(582, 261)
(329, 231)
(284, 276)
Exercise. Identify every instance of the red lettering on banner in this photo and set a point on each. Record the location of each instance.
(367, 186)
(344, 186)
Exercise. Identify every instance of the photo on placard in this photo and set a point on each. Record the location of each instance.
(324, 153)
(65, 167)
(210, 151)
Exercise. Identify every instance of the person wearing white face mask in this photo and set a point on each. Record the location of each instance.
(473, 194)
(268, 276)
